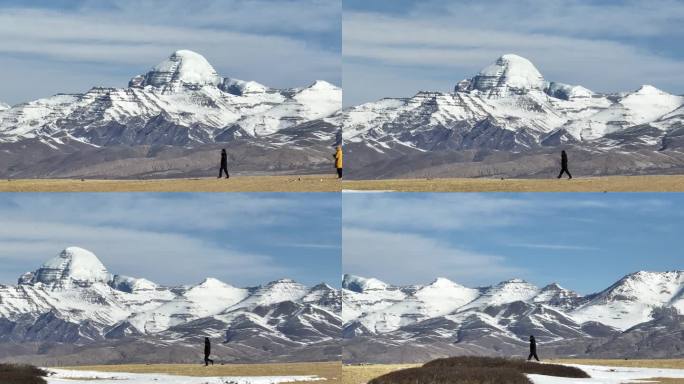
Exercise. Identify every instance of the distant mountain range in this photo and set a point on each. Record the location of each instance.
(509, 121)
(640, 316)
(71, 310)
(170, 122)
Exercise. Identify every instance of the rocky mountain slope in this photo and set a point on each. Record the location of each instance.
(385, 323)
(72, 309)
(165, 120)
(509, 121)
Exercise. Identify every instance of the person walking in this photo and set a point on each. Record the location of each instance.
(564, 165)
(207, 352)
(533, 349)
(338, 161)
(224, 164)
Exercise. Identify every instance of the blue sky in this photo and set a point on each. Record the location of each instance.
(583, 241)
(394, 48)
(241, 239)
(49, 47)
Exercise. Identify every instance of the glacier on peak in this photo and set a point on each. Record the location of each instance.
(72, 265)
(360, 284)
(183, 66)
(509, 74)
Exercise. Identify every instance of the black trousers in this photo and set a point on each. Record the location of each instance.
(339, 173)
(564, 169)
(224, 168)
(532, 353)
(207, 360)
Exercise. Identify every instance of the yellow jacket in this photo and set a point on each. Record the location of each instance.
(338, 158)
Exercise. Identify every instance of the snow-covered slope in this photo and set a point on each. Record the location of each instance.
(508, 106)
(72, 298)
(419, 322)
(180, 101)
(374, 307)
(632, 300)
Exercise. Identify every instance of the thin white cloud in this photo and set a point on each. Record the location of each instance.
(554, 247)
(441, 39)
(168, 258)
(430, 211)
(122, 39)
(170, 239)
(446, 212)
(409, 258)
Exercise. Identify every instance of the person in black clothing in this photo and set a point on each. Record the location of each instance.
(533, 349)
(564, 165)
(224, 164)
(207, 352)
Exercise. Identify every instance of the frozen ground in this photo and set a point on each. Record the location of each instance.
(611, 375)
(62, 376)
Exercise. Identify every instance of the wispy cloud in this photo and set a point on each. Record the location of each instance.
(282, 44)
(409, 258)
(481, 239)
(176, 238)
(603, 47)
(554, 247)
(430, 211)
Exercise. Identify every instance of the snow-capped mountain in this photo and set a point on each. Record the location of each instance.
(181, 102)
(509, 113)
(73, 300)
(408, 323)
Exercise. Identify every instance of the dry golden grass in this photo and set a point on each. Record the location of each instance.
(650, 363)
(361, 374)
(663, 380)
(671, 183)
(291, 183)
(331, 371)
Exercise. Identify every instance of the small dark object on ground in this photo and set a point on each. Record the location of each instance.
(21, 374)
(518, 365)
(460, 375)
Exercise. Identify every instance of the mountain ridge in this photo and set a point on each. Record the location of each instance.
(502, 120)
(72, 302)
(498, 319)
(181, 103)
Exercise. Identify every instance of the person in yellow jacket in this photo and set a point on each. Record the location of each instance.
(338, 161)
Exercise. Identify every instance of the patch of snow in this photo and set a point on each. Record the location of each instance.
(60, 376)
(610, 375)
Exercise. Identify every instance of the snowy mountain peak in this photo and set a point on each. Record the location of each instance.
(510, 74)
(361, 284)
(567, 92)
(552, 287)
(322, 287)
(211, 282)
(183, 67)
(4, 106)
(442, 282)
(650, 90)
(633, 298)
(643, 285)
(322, 85)
(73, 265)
